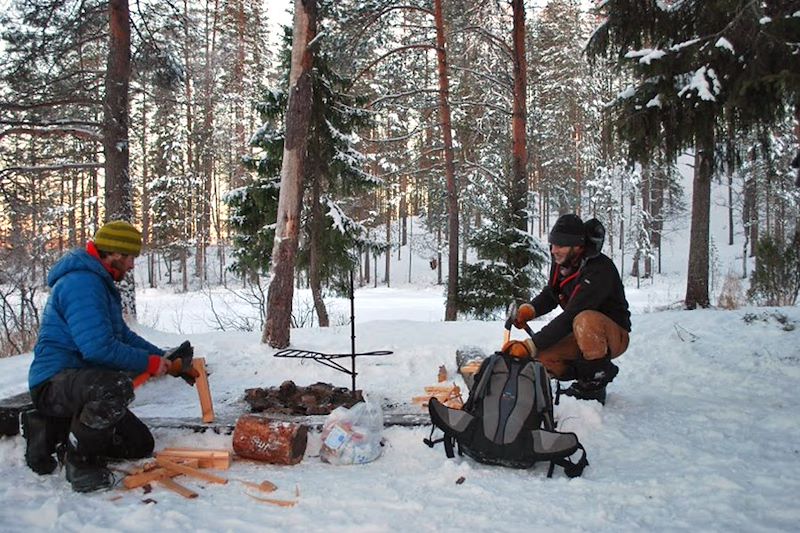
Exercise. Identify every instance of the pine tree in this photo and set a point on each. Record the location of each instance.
(699, 67)
(334, 175)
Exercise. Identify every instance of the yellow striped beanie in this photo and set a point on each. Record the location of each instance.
(118, 236)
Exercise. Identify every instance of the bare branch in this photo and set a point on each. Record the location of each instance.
(54, 103)
(389, 53)
(53, 132)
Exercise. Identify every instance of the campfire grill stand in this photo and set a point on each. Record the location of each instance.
(331, 359)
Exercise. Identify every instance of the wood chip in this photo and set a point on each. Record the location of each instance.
(279, 503)
(264, 486)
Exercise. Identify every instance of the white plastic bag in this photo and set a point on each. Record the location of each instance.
(352, 436)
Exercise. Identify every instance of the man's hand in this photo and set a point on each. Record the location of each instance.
(157, 366)
(181, 362)
(525, 314)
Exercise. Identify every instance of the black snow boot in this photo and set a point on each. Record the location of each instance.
(39, 448)
(86, 470)
(85, 473)
(592, 378)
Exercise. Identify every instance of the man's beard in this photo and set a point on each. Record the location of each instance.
(119, 270)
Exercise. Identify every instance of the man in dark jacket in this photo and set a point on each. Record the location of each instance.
(80, 377)
(595, 322)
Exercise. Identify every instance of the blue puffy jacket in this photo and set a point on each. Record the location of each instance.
(82, 323)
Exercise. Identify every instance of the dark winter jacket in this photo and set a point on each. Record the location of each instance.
(82, 323)
(596, 285)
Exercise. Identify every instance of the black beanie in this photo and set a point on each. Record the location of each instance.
(568, 231)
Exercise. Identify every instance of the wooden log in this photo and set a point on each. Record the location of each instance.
(272, 441)
(168, 483)
(206, 458)
(203, 391)
(189, 471)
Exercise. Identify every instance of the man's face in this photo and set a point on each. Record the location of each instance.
(563, 255)
(123, 263)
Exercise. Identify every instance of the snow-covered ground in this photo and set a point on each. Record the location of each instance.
(700, 431)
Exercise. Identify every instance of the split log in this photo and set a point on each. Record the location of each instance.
(151, 471)
(189, 471)
(203, 391)
(449, 395)
(186, 492)
(206, 458)
(270, 441)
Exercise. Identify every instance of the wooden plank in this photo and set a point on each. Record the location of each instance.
(206, 458)
(149, 474)
(137, 480)
(189, 471)
(203, 391)
(186, 492)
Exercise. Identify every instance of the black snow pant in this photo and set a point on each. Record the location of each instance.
(95, 402)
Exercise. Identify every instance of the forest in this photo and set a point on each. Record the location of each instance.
(302, 157)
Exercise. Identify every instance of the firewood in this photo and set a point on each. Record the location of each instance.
(206, 458)
(189, 471)
(137, 480)
(272, 441)
(470, 368)
(167, 483)
(436, 389)
(203, 391)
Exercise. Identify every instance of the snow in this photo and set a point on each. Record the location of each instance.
(705, 82)
(700, 431)
(722, 42)
(646, 55)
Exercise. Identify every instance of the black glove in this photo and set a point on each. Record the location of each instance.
(184, 351)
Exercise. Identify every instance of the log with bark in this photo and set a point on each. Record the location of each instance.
(271, 441)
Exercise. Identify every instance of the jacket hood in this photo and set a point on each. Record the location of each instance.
(77, 260)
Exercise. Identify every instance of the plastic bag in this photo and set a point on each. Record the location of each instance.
(352, 436)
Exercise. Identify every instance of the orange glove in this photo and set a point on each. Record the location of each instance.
(520, 348)
(525, 314)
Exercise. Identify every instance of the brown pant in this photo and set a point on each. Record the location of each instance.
(593, 336)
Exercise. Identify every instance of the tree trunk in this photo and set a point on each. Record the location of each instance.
(118, 194)
(298, 116)
(519, 145)
(451, 311)
(697, 282)
(647, 211)
(315, 259)
(118, 198)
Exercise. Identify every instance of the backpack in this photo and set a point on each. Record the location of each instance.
(507, 419)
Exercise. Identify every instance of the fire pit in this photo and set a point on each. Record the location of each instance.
(291, 399)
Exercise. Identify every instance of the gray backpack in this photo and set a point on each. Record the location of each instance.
(507, 419)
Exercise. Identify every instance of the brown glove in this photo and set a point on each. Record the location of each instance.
(525, 314)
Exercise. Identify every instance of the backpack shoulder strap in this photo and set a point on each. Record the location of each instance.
(570, 469)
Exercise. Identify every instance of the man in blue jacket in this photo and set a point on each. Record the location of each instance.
(83, 362)
(593, 327)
